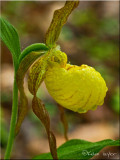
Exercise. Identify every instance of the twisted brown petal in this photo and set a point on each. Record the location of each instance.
(41, 112)
(36, 76)
(64, 121)
(24, 66)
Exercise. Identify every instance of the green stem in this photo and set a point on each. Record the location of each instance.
(13, 121)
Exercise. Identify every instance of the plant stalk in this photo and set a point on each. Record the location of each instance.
(12, 122)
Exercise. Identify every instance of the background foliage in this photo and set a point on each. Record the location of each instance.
(89, 37)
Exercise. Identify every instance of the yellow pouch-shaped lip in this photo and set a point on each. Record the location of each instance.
(78, 88)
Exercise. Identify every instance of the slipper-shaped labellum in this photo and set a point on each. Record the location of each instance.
(78, 88)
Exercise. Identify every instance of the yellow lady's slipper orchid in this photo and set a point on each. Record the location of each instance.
(78, 88)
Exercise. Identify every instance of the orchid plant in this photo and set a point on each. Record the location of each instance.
(78, 88)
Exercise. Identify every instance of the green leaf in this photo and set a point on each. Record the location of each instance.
(37, 47)
(11, 39)
(59, 19)
(79, 149)
(26, 62)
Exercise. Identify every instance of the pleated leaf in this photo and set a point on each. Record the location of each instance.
(10, 37)
(80, 149)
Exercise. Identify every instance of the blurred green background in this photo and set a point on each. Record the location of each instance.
(89, 37)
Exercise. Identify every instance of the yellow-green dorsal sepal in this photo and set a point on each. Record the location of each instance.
(59, 19)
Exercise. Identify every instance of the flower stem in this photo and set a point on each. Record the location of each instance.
(13, 121)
